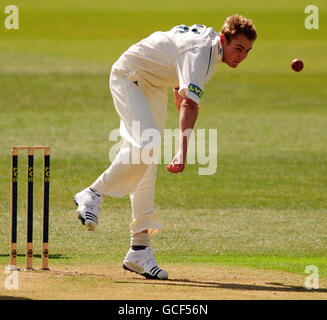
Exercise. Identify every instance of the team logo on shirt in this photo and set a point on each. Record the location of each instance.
(195, 89)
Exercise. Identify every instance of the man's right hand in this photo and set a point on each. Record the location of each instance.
(177, 165)
(188, 114)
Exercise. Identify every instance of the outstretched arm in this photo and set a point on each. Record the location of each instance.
(188, 113)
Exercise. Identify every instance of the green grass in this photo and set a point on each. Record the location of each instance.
(266, 205)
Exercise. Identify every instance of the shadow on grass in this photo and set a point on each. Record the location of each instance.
(279, 287)
(13, 298)
(51, 256)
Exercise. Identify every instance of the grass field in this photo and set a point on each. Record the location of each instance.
(265, 208)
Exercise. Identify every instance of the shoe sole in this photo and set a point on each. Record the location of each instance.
(129, 266)
(90, 226)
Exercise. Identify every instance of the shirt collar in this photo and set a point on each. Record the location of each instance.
(220, 50)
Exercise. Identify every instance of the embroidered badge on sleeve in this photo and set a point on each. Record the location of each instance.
(195, 89)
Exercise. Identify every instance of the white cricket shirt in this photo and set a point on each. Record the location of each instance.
(185, 56)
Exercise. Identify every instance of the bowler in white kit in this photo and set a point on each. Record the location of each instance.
(184, 58)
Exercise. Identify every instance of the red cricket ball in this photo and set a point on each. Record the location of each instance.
(297, 65)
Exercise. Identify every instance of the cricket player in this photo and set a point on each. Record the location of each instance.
(184, 58)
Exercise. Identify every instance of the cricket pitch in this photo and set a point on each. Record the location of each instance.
(198, 282)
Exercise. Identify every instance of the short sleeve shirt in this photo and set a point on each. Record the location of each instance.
(185, 56)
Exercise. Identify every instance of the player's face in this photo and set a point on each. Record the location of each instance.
(236, 50)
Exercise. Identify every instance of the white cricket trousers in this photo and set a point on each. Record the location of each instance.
(146, 107)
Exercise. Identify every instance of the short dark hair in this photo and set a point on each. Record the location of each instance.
(237, 24)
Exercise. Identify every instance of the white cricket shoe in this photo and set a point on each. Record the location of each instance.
(89, 204)
(143, 263)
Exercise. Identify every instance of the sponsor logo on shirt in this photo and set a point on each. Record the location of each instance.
(195, 89)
